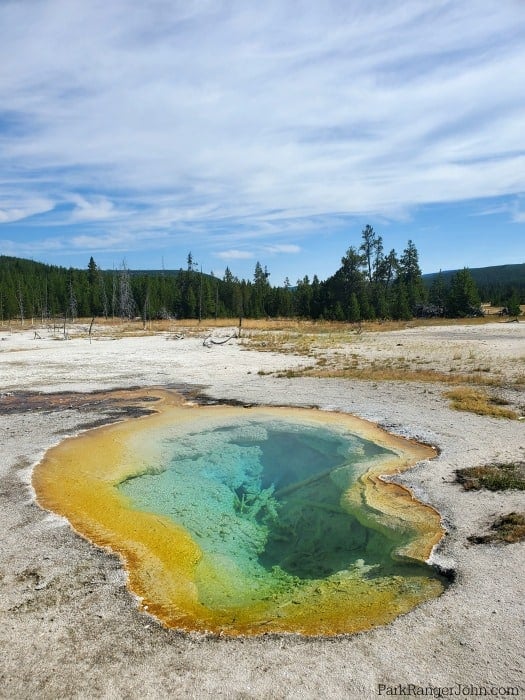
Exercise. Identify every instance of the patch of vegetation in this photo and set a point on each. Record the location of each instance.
(377, 371)
(508, 529)
(494, 477)
(479, 402)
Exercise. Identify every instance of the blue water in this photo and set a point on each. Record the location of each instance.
(262, 499)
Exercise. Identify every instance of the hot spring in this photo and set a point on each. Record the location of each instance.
(246, 521)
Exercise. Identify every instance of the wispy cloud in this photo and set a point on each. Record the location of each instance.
(283, 248)
(235, 119)
(95, 208)
(234, 255)
(14, 211)
(513, 209)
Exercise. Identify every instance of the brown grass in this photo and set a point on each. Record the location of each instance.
(380, 372)
(479, 402)
(267, 324)
(493, 477)
(296, 342)
(507, 529)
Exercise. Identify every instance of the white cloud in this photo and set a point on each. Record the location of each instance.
(283, 248)
(234, 255)
(93, 209)
(11, 211)
(250, 119)
(46, 245)
(113, 241)
(513, 209)
(518, 210)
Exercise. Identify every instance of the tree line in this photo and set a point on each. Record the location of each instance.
(369, 284)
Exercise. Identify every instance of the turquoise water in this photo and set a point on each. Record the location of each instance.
(262, 500)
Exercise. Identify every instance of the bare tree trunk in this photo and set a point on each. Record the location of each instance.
(103, 295)
(126, 301)
(145, 311)
(20, 300)
(72, 301)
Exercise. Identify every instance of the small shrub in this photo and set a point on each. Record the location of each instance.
(494, 477)
(508, 529)
(479, 402)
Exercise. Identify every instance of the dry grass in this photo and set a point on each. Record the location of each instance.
(346, 351)
(378, 372)
(479, 402)
(493, 477)
(309, 344)
(267, 324)
(507, 529)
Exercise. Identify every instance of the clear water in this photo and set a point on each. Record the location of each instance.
(262, 499)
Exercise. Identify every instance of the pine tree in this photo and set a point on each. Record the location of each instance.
(437, 294)
(191, 304)
(354, 312)
(261, 288)
(463, 298)
(371, 249)
(410, 273)
(513, 304)
(303, 297)
(93, 279)
(401, 306)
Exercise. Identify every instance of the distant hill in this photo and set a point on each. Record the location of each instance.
(155, 273)
(25, 266)
(496, 284)
(510, 274)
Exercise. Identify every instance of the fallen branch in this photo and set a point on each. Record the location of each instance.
(209, 341)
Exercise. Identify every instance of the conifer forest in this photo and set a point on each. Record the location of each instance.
(371, 283)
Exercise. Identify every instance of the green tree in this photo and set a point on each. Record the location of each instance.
(285, 299)
(353, 281)
(380, 301)
(261, 288)
(191, 304)
(401, 306)
(354, 312)
(438, 291)
(463, 298)
(371, 249)
(93, 286)
(513, 304)
(303, 297)
(410, 273)
(231, 300)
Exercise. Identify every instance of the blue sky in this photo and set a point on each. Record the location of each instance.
(269, 132)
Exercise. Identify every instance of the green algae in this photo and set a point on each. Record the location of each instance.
(262, 499)
(267, 520)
